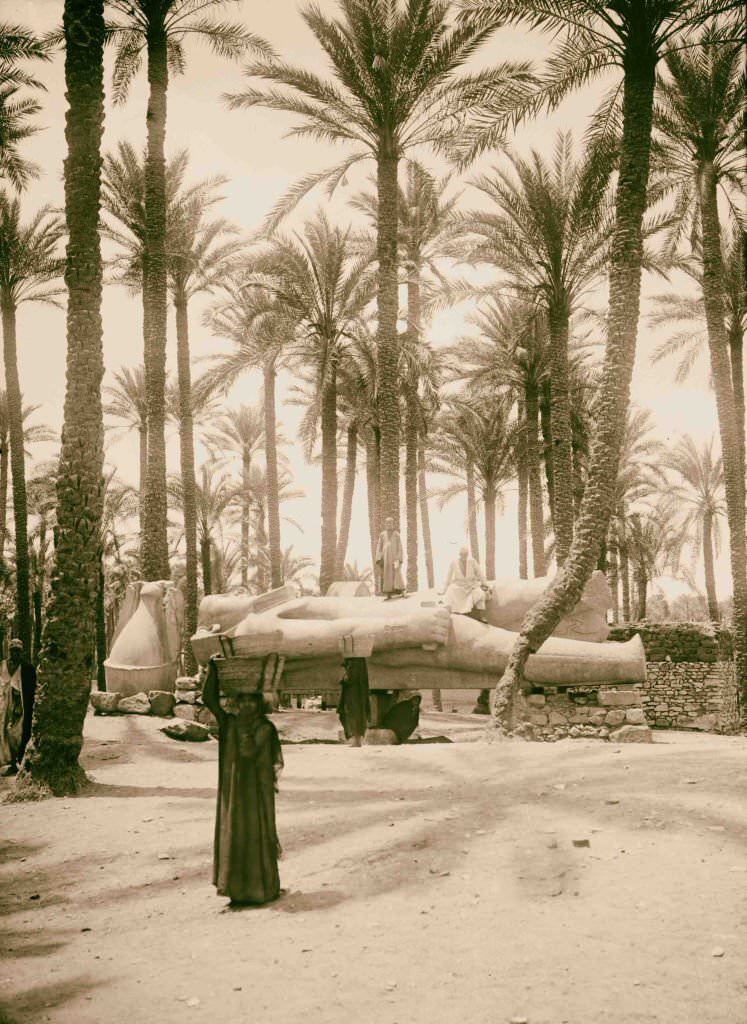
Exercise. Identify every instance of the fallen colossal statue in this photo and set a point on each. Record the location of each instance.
(415, 643)
(147, 640)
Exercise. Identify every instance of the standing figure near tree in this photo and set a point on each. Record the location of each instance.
(246, 850)
(389, 554)
(466, 587)
(354, 706)
(16, 706)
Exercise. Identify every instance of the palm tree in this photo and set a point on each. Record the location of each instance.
(158, 29)
(700, 119)
(51, 759)
(323, 292)
(261, 334)
(29, 263)
(260, 493)
(547, 230)
(655, 540)
(33, 433)
(395, 88)
(632, 36)
(18, 45)
(700, 492)
(127, 402)
(213, 497)
(241, 433)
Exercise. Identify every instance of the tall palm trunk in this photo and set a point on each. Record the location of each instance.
(155, 551)
(736, 356)
(490, 531)
(545, 415)
(536, 515)
(143, 474)
(262, 545)
(4, 464)
(388, 309)
(65, 671)
(641, 588)
(624, 569)
(474, 542)
(187, 464)
(562, 463)
(273, 490)
(731, 431)
(348, 490)
(18, 469)
(246, 505)
(523, 495)
(411, 486)
(425, 520)
(613, 578)
(101, 645)
(206, 559)
(639, 71)
(710, 575)
(372, 487)
(329, 479)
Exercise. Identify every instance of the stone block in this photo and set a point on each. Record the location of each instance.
(104, 702)
(620, 698)
(187, 683)
(615, 717)
(185, 711)
(206, 717)
(635, 716)
(537, 699)
(706, 723)
(538, 718)
(191, 731)
(597, 718)
(186, 696)
(137, 704)
(161, 703)
(556, 718)
(632, 734)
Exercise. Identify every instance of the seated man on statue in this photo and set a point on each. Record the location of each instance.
(466, 587)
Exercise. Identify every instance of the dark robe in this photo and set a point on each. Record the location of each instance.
(246, 850)
(354, 706)
(403, 717)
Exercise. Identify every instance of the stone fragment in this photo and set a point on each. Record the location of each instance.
(137, 704)
(575, 731)
(206, 717)
(181, 730)
(632, 734)
(597, 718)
(104, 703)
(620, 698)
(185, 711)
(381, 738)
(186, 696)
(538, 699)
(635, 716)
(538, 718)
(706, 723)
(161, 703)
(556, 718)
(615, 717)
(187, 683)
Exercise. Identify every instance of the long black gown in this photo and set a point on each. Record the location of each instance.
(354, 705)
(246, 848)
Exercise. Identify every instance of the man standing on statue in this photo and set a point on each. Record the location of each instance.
(466, 587)
(389, 554)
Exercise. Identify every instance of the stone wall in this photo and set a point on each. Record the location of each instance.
(691, 679)
(612, 713)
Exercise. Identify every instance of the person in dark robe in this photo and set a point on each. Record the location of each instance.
(389, 556)
(19, 709)
(246, 849)
(354, 706)
(403, 717)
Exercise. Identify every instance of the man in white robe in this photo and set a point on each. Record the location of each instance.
(466, 587)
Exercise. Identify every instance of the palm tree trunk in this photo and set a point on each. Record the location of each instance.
(18, 469)
(626, 253)
(710, 575)
(536, 514)
(425, 521)
(641, 586)
(372, 487)
(4, 464)
(411, 487)
(474, 541)
(545, 415)
(143, 455)
(207, 564)
(490, 532)
(523, 495)
(622, 550)
(246, 504)
(387, 311)
(263, 546)
(613, 578)
(736, 358)
(562, 462)
(155, 551)
(273, 490)
(348, 490)
(101, 646)
(731, 431)
(329, 479)
(64, 676)
(187, 465)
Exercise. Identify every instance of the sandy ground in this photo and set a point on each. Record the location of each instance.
(468, 882)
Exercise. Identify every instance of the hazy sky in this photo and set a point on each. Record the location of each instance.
(249, 148)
